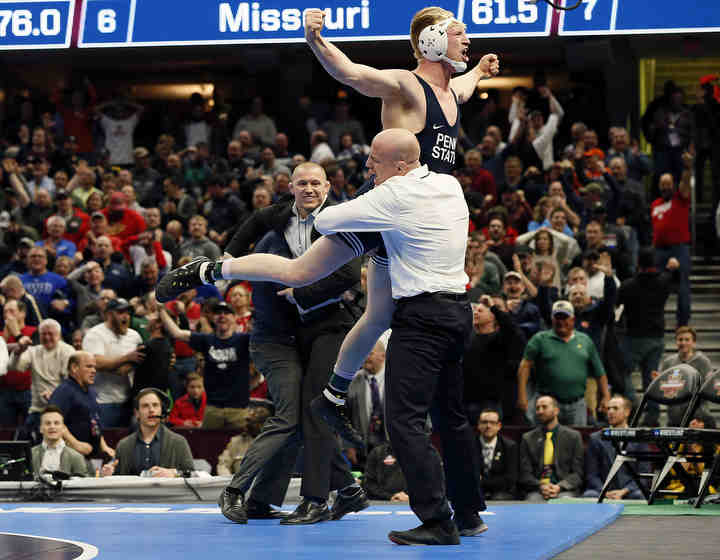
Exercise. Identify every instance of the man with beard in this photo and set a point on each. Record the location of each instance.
(153, 448)
(670, 216)
(117, 349)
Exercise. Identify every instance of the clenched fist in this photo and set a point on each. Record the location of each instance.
(313, 23)
(489, 65)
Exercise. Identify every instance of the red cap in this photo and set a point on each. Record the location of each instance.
(595, 152)
(118, 199)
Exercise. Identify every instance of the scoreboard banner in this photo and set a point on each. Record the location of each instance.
(127, 23)
(36, 24)
(640, 17)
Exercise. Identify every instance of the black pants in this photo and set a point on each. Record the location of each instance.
(324, 466)
(423, 373)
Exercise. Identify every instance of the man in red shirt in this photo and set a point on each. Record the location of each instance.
(122, 222)
(670, 216)
(15, 385)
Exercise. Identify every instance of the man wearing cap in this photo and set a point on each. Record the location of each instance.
(122, 222)
(563, 359)
(227, 368)
(40, 180)
(77, 222)
(117, 349)
(524, 312)
(33, 214)
(146, 180)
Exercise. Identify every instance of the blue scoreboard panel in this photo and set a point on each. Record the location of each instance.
(121, 23)
(640, 17)
(36, 24)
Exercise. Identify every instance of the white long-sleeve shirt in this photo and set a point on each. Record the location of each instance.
(423, 219)
(4, 358)
(543, 142)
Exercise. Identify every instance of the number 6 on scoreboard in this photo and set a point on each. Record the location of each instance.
(106, 21)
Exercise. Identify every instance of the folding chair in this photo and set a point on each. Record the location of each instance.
(708, 392)
(674, 386)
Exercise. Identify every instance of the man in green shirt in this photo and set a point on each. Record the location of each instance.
(563, 360)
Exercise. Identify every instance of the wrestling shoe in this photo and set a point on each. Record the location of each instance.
(429, 533)
(181, 280)
(469, 524)
(232, 506)
(347, 503)
(336, 416)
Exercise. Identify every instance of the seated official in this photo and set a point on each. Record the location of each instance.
(52, 454)
(499, 458)
(551, 456)
(153, 448)
(600, 456)
(383, 478)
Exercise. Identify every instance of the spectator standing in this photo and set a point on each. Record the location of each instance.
(257, 123)
(119, 119)
(563, 359)
(670, 216)
(39, 282)
(343, 123)
(76, 399)
(644, 297)
(117, 350)
(15, 385)
(551, 456)
(199, 245)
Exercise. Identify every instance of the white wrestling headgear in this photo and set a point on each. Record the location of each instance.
(433, 44)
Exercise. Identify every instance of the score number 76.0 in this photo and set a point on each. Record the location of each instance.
(21, 23)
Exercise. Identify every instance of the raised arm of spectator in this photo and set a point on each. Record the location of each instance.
(607, 304)
(685, 180)
(16, 181)
(173, 330)
(529, 286)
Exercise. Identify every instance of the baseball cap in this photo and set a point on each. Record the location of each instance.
(593, 188)
(599, 208)
(222, 307)
(141, 152)
(521, 250)
(595, 152)
(512, 274)
(61, 194)
(27, 242)
(4, 219)
(563, 307)
(119, 304)
(97, 214)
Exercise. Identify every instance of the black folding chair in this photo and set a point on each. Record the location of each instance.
(709, 438)
(677, 385)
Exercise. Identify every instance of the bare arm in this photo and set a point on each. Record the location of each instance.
(464, 86)
(81, 447)
(364, 79)
(684, 187)
(172, 328)
(16, 182)
(523, 376)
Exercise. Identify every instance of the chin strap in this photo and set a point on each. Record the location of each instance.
(432, 43)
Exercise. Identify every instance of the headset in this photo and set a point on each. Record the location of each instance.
(433, 44)
(166, 401)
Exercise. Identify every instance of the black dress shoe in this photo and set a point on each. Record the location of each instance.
(260, 510)
(344, 504)
(180, 280)
(336, 416)
(307, 513)
(232, 506)
(430, 533)
(469, 524)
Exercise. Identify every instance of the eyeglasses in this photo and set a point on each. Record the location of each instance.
(489, 422)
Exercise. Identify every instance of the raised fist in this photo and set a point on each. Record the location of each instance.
(489, 65)
(313, 23)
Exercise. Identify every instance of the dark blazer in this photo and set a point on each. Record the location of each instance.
(502, 476)
(569, 459)
(276, 218)
(174, 454)
(599, 457)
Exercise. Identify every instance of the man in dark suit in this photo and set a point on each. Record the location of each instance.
(366, 399)
(153, 448)
(600, 456)
(499, 458)
(551, 456)
(296, 337)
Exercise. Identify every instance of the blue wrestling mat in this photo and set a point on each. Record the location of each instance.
(175, 532)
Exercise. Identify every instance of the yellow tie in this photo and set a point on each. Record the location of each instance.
(548, 459)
